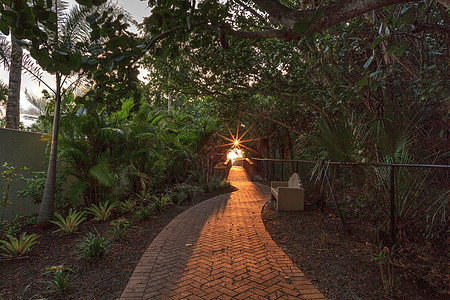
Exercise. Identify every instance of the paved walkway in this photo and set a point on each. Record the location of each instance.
(219, 249)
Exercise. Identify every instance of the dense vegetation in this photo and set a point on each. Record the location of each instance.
(367, 86)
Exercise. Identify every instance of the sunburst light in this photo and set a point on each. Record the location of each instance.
(236, 143)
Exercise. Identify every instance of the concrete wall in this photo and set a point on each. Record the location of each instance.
(21, 149)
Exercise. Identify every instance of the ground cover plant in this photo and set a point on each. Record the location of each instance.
(340, 265)
(350, 81)
(54, 270)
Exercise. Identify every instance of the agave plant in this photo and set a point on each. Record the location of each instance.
(18, 246)
(70, 223)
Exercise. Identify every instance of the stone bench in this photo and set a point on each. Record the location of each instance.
(290, 195)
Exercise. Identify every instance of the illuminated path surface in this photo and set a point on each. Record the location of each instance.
(219, 249)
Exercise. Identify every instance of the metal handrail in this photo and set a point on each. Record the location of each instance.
(391, 181)
(356, 163)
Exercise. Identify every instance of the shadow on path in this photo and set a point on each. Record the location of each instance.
(219, 249)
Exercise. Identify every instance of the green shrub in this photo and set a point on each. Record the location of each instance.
(143, 213)
(119, 228)
(59, 278)
(18, 247)
(15, 225)
(93, 246)
(71, 222)
(159, 202)
(142, 197)
(7, 175)
(185, 192)
(34, 188)
(102, 211)
(179, 197)
(127, 205)
(217, 184)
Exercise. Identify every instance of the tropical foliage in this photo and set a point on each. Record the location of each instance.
(70, 223)
(18, 246)
(93, 246)
(350, 81)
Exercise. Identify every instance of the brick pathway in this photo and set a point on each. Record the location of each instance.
(219, 249)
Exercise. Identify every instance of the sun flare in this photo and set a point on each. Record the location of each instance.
(236, 143)
(235, 153)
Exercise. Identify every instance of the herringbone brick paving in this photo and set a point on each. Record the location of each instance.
(219, 249)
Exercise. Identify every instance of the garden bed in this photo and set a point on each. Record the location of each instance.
(105, 278)
(336, 263)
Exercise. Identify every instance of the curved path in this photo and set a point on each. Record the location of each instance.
(219, 249)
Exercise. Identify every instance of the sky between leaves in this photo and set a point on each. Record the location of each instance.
(137, 8)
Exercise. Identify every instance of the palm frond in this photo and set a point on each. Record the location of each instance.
(75, 28)
(102, 173)
(5, 51)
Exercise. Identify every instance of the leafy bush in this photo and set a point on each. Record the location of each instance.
(102, 211)
(159, 202)
(127, 205)
(18, 247)
(71, 222)
(143, 213)
(119, 228)
(185, 192)
(59, 278)
(34, 188)
(15, 225)
(142, 197)
(179, 197)
(93, 246)
(7, 175)
(216, 184)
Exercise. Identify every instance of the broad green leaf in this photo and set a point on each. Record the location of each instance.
(4, 28)
(9, 17)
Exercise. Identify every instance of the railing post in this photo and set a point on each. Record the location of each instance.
(296, 167)
(392, 205)
(282, 170)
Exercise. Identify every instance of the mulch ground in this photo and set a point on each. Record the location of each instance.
(105, 278)
(340, 266)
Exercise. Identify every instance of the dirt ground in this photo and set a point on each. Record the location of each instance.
(339, 265)
(105, 278)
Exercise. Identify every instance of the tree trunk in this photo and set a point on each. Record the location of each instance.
(47, 205)
(169, 103)
(15, 79)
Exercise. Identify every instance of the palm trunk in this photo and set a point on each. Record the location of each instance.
(15, 79)
(47, 205)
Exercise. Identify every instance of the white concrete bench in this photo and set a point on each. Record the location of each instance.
(290, 195)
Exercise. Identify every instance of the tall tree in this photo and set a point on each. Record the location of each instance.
(15, 79)
(73, 35)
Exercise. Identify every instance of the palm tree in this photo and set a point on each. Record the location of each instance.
(71, 28)
(15, 80)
